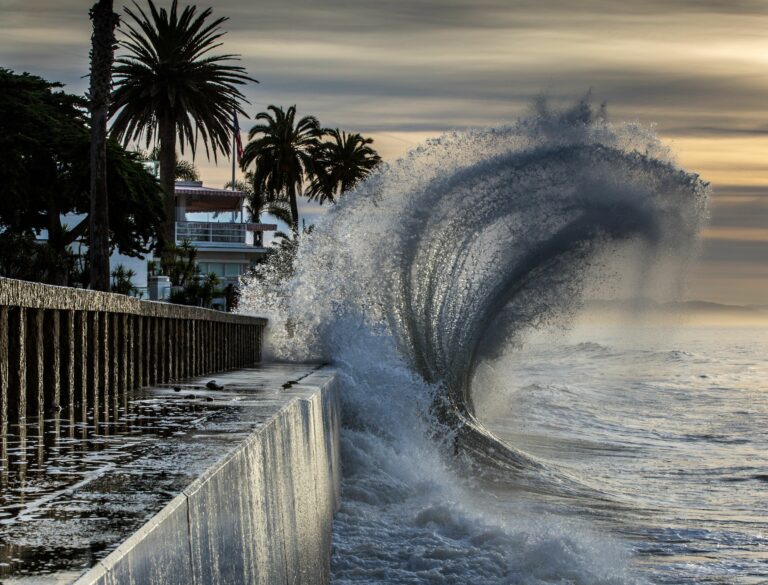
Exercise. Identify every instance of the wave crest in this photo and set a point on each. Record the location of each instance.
(475, 237)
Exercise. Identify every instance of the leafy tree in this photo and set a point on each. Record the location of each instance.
(281, 151)
(180, 264)
(339, 164)
(169, 85)
(199, 292)
(191, 288)
(122, 281)
(45, 174)
(102, 56)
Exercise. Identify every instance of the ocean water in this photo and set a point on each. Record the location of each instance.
(481, 442)
(667, 423)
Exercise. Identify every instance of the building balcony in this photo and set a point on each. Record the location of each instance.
(234, 235)
(198, 232)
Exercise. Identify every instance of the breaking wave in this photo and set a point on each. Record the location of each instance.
(440, 261)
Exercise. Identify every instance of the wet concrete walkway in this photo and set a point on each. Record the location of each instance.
(72, 491)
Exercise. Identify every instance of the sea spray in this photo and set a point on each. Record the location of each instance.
(433, 264)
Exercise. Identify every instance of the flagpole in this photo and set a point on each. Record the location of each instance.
(234, 154)
(234, 145)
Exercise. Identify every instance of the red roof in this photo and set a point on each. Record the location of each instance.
(201, 198)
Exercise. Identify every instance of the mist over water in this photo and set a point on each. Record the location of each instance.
(444, 261)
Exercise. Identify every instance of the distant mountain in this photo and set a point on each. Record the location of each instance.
(709, 307)
(685, 307)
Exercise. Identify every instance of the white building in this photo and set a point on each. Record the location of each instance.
(213, 221)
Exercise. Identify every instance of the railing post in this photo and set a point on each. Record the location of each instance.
(252, 348)
(170, 348)
(154, 352)
(193, 348)
(246, 346)
(206, 347)
(150, 334)
(82, 377)
(115, 335)
(17, 364)
(212, 347)
(227, 345)
(249, 344)
(165, 350)
(238, 344)
(105, 373)
(220, 346)
(159, 356)
(67, 364)
(52, 362)
(200, 340)
(246, 353)
(35, 364)
(128, 353)
(180, 346)
(4, 374)
(139, 371)
(187, 324)
(205, 353)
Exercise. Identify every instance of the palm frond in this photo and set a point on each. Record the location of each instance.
(167, 73)
(339, 164)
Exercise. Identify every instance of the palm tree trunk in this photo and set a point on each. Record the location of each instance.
(294, 211)
(58, 274)
(167, 156)
(102, 56)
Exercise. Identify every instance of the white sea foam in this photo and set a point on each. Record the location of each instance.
(434, 264)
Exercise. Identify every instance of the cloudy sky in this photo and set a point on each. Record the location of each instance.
(404, 70)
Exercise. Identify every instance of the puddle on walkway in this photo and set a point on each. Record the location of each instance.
(72, 490)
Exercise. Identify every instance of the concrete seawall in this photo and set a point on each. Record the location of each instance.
(262, 514)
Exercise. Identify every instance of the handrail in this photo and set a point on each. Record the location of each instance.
(34, 295)
(63, 350)
(218, 232)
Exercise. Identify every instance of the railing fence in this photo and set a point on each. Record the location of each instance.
(64, 351)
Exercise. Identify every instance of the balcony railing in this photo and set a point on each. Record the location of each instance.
(210, 232)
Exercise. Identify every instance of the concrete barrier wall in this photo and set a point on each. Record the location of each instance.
(64, 350)
(261, 515)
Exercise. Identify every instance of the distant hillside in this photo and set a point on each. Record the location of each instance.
(709, 307)
(688, 309)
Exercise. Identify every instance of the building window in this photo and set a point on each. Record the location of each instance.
(233, 269)
(223, 269)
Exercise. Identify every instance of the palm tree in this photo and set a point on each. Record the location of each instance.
(169, 86)
(102, 56)
(186, 171)
(339, 164)
(281, 151)
(257, 203)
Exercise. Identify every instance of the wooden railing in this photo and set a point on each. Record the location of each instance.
(65, 350)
